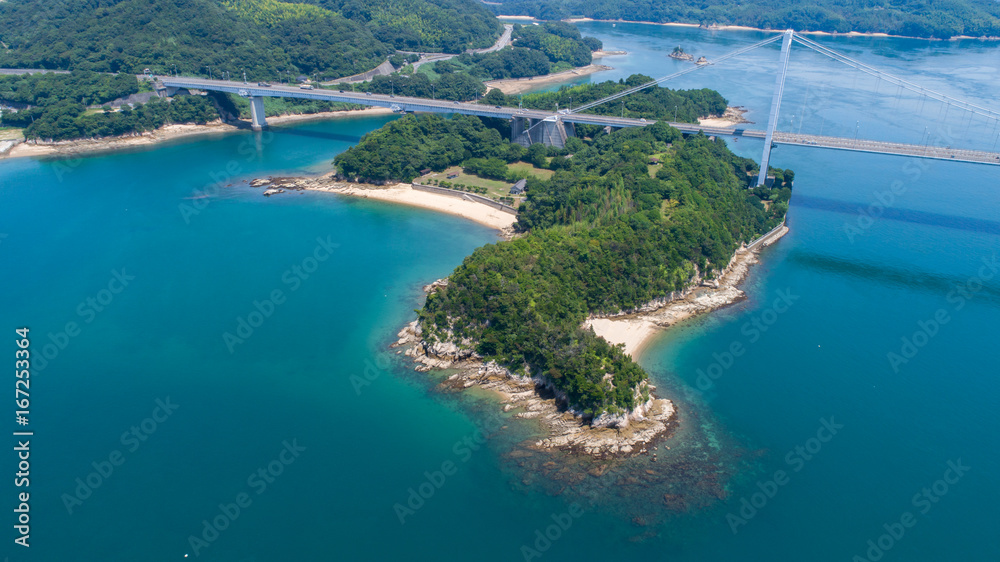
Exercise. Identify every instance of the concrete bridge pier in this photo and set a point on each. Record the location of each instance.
(257, 113)
(550, 131)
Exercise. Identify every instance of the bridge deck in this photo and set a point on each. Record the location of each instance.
(410, 104)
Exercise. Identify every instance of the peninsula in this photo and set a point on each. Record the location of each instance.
(628, 222)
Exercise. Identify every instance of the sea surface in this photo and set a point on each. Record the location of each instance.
(213, 377)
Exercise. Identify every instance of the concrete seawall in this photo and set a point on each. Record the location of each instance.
(769, 238)
(467, 196)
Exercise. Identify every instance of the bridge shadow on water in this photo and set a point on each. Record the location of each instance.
(898, 276)
(903, 215)
(324, 135)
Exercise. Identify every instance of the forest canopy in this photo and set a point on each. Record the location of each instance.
(605, 233)
(266, 38)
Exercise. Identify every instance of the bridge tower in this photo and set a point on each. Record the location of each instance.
(550, 131)
(258, 121)
(772, 119)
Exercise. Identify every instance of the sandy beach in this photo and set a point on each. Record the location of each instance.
(166, 133)
(733, 115)
(400, 193)
(521, 85)
(634, 331)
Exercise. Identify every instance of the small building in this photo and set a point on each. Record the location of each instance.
(518, 187)
(303, 78)
(654, 161)
(452, 176)
(425, 171)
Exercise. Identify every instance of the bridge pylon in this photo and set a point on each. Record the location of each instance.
(258, 121)
(550, 131)
(772, 119)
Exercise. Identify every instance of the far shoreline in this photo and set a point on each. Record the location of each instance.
(89, 147)
(748, 28)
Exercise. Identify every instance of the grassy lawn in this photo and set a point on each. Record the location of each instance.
(653, 168)
(539, 173)
(11, 133)
(494, 188)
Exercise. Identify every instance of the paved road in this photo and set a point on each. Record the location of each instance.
(408, 104)
(502, 42)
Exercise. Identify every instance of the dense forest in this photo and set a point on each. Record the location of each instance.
(915, 18)
(59, 106)
(653, 103)
(602, 235)
(266, 38)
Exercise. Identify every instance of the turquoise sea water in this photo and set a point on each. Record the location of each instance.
(315, 371)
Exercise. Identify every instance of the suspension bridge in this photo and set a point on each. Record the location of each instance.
(530, 126)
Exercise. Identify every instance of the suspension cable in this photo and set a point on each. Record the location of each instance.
(975, 109)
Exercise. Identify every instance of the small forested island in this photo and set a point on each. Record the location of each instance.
(627, 221)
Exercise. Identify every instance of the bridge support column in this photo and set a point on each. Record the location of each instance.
(257, 113)
(550, 132)
(772, 119)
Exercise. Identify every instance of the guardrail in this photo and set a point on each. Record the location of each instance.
(465, 195)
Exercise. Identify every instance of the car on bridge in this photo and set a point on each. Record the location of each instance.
(306, 86)
(264, 84)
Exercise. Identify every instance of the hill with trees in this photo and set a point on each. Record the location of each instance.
(266, 38)
(914, 18)
(537, 50)
(603, 234)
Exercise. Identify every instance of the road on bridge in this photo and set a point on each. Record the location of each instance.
(411, 104)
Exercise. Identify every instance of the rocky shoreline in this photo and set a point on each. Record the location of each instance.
(607, 436)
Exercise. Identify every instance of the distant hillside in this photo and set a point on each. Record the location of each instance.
(266, 38)
(916, 18)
